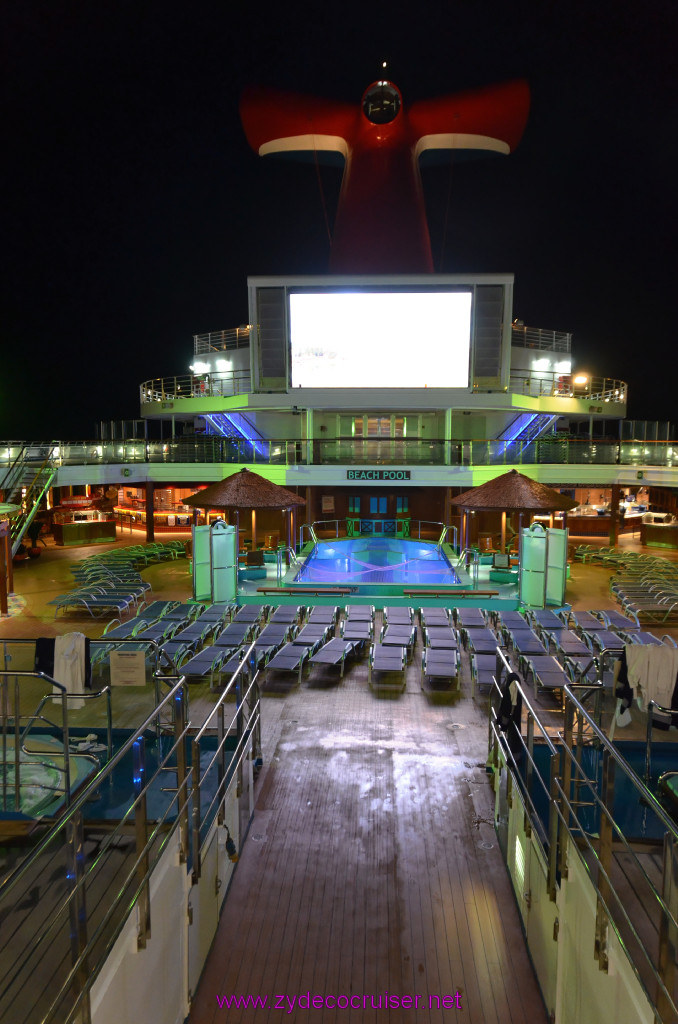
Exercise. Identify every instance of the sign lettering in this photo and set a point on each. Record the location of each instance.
(377, 474)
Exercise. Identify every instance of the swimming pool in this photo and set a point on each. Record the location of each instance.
(367, 562)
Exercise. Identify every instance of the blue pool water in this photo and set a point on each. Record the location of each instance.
(634, 816)
(377, 560)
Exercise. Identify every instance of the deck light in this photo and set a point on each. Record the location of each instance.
(581, 379)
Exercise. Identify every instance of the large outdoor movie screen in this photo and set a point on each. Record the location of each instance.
(370, 339)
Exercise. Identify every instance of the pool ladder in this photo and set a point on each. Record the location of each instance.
(281, 568)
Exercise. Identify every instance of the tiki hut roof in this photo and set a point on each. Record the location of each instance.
(514, 492)
(244, 490)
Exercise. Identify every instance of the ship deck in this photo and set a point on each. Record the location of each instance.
(371, 865)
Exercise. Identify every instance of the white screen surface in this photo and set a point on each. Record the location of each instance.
(380, 339)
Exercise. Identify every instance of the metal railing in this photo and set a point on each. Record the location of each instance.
(536, 337)
(576, 795)
(536, 384)
(419, 529)
(74, 926)
(221, 341)
(195, 448)
(544, 383)
(204, 385)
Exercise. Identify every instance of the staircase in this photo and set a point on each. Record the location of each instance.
(238, 428)
(25, 483)
(526, 428)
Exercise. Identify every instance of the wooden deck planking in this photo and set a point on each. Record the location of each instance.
(378, 883)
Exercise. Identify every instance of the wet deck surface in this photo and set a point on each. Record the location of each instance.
(371, 865)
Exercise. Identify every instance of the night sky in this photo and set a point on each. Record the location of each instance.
(135, 210)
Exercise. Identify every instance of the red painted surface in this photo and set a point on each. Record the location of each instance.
(381, 219)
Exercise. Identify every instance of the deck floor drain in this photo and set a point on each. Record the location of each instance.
(485, 845)
(454, 725)
(258, 837)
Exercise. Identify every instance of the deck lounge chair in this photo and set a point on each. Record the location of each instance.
(469, 618)
(290, 658)
(605, 640)
(441, 637)
(235, 634)
(483, 672)
(526, 641)
(440, 664)
(177, 651)
(185, 611)
(480, 641)
(647, 639)
(156, 609)
(389, 661)
(505, 621)
(566, 642)
(163, 629)
(95, 604)
(546, 671)
(209, 662)
(323, 615)
(394, 615)
(275, 634)
(251, 613)
(585, 622)
(358, 633)
(545, 618)
(399, 635)
(313, 634)
(589, 667)
(219, 611)
(334, 653)
(614, 620)
(360, 612)
(125, 630)
(434, 617)
(288, 613)
(197, 633)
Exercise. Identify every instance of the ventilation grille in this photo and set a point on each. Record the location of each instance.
(487, 348)
(272, 345)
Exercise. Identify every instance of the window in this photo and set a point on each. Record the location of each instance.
(402, 503)
(354, 505)
(378, 506)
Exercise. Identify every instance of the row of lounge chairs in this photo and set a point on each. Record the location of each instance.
(643, 584)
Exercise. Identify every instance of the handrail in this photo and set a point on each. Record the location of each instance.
(565, 823)
(488, 452)
(604, 742)
(652, 706)
(75, 983)
(280, 553)
(9, 883)
(17, 674)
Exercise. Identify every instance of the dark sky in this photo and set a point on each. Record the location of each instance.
(134, 209)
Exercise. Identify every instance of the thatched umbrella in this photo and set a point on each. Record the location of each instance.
(245, 490)
(512, 492)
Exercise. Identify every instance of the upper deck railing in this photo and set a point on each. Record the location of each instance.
(538, 384)
(397, 451)
(221, 341)
(536, 337)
